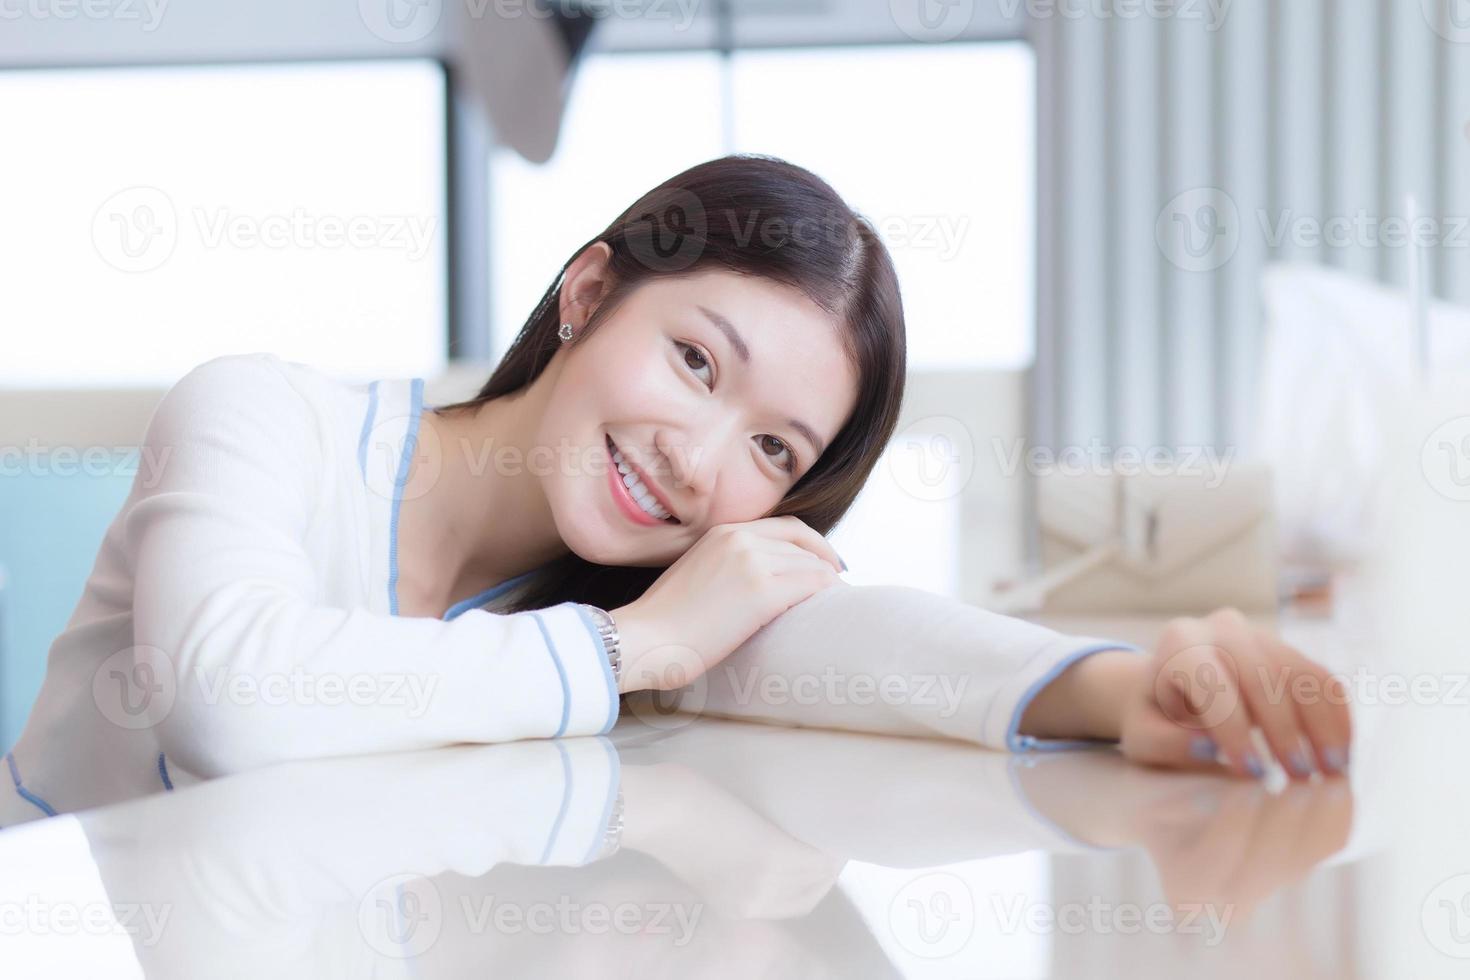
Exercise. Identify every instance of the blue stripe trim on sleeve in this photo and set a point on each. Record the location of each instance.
(615, 780)
(566, 802)
(163, 773)
(410, 443)
(1021, 743)
(25, 793)
(561, 673)
(367, 427)
(614, 704)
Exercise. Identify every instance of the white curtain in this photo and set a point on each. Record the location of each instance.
(1259, 128)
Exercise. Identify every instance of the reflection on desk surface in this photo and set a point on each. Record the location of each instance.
(744, 851)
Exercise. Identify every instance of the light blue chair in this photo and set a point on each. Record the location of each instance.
(54, 518)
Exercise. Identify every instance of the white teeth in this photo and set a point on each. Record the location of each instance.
(640, 493)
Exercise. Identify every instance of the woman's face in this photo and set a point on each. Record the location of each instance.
(719, 420)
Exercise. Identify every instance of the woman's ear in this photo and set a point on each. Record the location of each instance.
(587, 281)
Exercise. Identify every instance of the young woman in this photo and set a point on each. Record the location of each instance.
(641, 487)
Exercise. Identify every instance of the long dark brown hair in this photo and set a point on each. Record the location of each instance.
(755, 215)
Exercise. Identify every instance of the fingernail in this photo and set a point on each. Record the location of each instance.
(1336, 758)
(1300, 764)
(1203, 748)
(840, 559)
(1253, 765)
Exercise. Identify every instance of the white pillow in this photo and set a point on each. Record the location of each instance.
(1338, 360)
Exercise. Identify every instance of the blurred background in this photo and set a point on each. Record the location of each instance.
(1215, 235)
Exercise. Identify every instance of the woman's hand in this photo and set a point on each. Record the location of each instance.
(1193, 703)
(734, 580)
(1213, 679)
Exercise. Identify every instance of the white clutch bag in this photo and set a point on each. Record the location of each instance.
(1179, 544)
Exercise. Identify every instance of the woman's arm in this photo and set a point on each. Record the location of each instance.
(252, 667)
(888, 659)
(898, 660)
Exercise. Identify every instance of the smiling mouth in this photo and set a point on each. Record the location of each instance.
(623, 494)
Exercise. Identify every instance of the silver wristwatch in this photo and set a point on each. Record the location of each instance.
(608, 630)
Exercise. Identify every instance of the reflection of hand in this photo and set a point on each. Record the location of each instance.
(1233, 843)
(741, 863)
(1217, 841)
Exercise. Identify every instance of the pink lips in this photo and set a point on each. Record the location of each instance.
(624, 499)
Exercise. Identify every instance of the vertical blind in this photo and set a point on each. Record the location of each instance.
(1180, 154)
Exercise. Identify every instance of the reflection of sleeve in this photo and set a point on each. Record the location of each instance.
(258, 869)
(895, 660)
(226, 593)
(941, 801)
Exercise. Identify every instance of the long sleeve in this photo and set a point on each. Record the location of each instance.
(249, 667)
(891, 660)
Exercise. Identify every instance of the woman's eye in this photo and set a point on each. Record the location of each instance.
(695, 360)
(767, 441)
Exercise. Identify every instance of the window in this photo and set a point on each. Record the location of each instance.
(632, 122)
(158, 217)
(933, 143)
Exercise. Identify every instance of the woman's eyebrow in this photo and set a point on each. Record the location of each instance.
(731, 334)
(741, 348)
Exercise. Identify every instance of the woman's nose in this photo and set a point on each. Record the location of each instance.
(690, 470)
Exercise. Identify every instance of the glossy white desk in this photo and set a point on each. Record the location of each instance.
(754, 851)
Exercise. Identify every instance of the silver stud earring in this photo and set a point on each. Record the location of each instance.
(565, 333)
